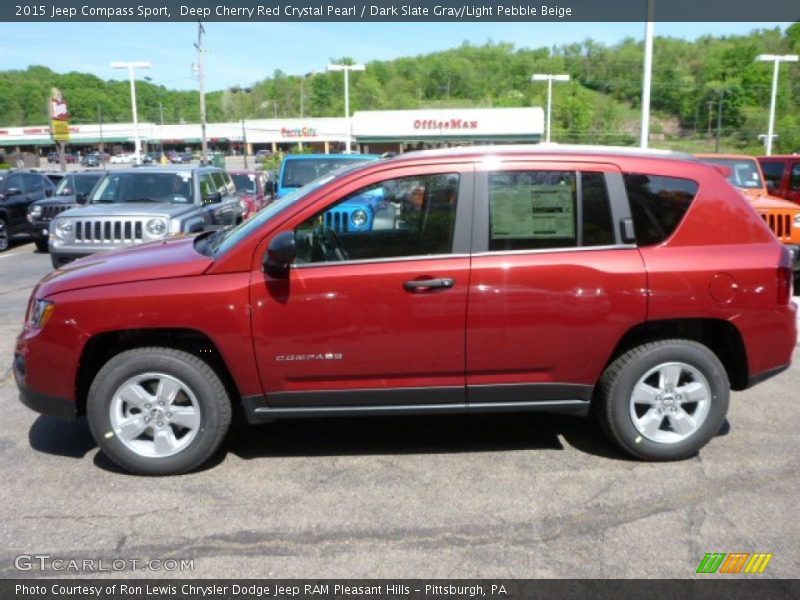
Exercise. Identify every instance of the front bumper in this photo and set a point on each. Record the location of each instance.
(40, 229)
(794, 250)
(41, 403)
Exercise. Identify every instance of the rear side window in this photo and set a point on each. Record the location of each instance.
(773, 172)
(658, 204)
(538, 210)
(794, 182)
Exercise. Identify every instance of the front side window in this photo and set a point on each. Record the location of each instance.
(207, 186)
(658, 205)
(402, 217)
(542, 209)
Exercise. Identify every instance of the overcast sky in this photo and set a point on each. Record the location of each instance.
(243, 53)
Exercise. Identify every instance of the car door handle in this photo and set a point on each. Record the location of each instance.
(424, 285)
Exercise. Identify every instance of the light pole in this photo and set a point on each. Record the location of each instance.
(241, 92)
(644, 139)
(776, 59)
(549, 79)
(347, 69)
(131, 66)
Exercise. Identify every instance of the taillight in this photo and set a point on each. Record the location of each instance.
(784, 285)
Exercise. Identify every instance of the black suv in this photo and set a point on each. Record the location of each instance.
(18, 189)
(72, 190)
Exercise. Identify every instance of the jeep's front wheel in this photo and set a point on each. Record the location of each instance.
(158, 411)
(664, 400)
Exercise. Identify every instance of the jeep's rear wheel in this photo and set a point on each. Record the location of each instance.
(664, 400)
(158, 411)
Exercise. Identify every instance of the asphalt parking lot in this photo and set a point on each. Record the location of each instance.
(485, 496)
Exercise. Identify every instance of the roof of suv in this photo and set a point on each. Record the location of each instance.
(167, 169)
(548, 149)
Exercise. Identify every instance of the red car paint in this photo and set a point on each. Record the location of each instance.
(510, 317)
(254, 194)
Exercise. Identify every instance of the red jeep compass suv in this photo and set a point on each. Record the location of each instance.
(638, 284)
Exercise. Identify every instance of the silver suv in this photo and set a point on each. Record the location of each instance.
(138, 205)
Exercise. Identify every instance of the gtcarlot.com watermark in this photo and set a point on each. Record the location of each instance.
(47, 562)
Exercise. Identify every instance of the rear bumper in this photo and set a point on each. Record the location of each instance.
(41, 403)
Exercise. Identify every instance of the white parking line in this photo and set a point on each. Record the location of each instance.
(8, 254)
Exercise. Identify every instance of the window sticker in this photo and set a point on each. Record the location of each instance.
(540, 212)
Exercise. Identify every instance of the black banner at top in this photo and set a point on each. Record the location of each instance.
(397, 10)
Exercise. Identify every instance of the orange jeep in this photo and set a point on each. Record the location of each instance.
(782, 216)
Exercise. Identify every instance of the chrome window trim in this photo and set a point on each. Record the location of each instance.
(370, 261)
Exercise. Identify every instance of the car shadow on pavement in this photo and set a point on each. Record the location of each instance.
(52, 435)
(419, 435)
(361, 436)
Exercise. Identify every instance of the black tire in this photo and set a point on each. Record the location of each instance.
(4, 237)
(197, 375)
(42, 245)
(620, 378)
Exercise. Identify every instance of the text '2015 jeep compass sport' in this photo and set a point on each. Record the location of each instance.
(507, 279)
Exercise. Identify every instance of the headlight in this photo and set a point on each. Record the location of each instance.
(359, 218)
(35, 211)
(797, 220)
(62, 228)
(39, 312)
(156, 227)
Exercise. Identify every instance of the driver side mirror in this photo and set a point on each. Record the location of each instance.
(81, 197)
(280, 254)
(213, 198)
(269, 187)
(771, 187)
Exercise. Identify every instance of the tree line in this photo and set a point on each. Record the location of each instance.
(692, 81)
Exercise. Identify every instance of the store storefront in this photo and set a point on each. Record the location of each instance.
(403, 130)
(372, 131)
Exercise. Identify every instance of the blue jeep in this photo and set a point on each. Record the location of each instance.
(300, 169)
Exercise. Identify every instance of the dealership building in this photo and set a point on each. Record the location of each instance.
(372, 131)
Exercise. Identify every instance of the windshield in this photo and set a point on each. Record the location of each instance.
(228, 239)
(77, 185)
(744, 171)
(143, 186)
(244, 183)
(298, 172)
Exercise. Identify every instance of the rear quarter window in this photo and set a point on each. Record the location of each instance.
(658, 205)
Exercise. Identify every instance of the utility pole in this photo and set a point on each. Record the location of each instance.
(102, 144)
(648, 72)
(719, 119)
(161, 132)
(201, 75)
